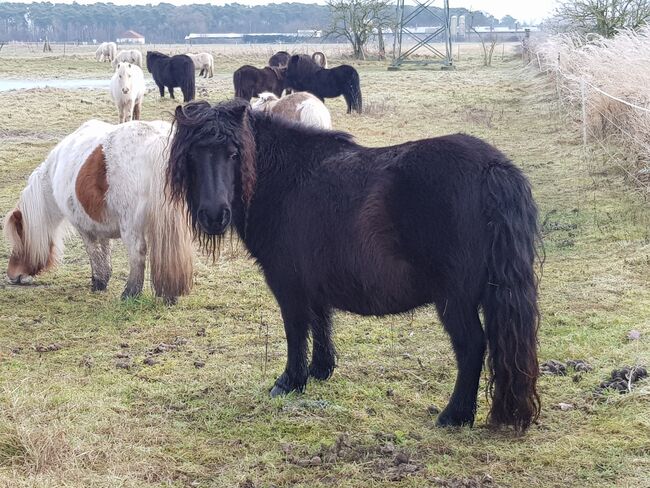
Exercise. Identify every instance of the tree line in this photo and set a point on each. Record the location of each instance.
(166, 22)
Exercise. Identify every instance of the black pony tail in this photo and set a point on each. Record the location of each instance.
(189, 83)
(510, 303)
(353, 93)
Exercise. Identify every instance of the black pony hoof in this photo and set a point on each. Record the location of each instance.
(98, 285)
(130, 293)
(454, 419)
(321, 372)
(277, 391)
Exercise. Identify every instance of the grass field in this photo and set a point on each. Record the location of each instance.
(90, 412)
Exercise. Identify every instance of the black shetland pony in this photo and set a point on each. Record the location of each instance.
(171, 71)
(304, 74)
(250, 81)
(374, 231)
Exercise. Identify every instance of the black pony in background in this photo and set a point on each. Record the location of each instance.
(281, 59)
(172, 71)
(448, 221)
(250, 81)
(304, 74)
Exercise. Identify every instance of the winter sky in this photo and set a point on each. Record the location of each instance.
(523, 10)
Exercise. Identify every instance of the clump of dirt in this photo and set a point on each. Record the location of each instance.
(384, 459)
(171, 346)
(579, 365)
(87, 362)
(397, 468)
(149, 361)
(48, 348)
(552, 367)
(473, 482)
(123, 364)
(557, 368)
(622, 379)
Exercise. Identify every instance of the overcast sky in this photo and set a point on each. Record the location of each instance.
(524, 10)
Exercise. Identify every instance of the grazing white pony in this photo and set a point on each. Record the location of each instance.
(204, 62)
(106, 52)
(108, 182)
(127, 91)
(132, 56)
(302, 107)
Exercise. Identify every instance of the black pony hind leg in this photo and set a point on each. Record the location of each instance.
(296, 316)
(323, 360)
(462, 323)
(161, 88)
(348, 102)
(171, 92)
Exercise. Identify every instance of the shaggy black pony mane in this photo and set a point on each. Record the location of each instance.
(199, 123)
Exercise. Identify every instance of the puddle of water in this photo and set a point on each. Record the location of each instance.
(53, 83)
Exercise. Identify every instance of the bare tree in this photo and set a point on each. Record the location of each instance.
(488, 40)
(604, 17)
(359, 20)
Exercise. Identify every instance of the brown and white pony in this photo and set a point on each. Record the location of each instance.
(108, 182)
(300, 107)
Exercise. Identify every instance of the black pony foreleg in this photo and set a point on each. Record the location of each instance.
(296, 327)
(323, 359)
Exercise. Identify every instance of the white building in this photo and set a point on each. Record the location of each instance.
(131, 37)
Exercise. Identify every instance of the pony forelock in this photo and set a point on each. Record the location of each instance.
(199, 121)
(41, 242)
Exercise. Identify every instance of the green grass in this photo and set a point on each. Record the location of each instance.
(72, 418)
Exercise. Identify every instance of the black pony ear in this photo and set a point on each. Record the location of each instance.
(239, 108)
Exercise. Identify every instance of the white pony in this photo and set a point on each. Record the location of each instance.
(302, 107)
(127, 91)
(108, 182)
(106, 52)
(204, 62)
(132, 56)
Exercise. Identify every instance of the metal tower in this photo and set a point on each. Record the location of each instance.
(422, 40)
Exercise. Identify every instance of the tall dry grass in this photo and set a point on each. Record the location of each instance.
(610, 77)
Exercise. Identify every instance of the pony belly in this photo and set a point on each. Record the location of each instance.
(380, 288)
(381, 301)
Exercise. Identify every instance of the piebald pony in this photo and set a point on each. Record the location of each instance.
(108, 182)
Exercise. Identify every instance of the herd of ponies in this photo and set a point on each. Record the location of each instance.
(285, 75)
(333, 225)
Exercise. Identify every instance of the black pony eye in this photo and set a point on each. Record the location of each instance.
(234, 156)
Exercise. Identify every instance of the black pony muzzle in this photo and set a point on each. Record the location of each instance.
(214, 221)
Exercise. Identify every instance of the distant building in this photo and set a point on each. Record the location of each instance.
(131, 37)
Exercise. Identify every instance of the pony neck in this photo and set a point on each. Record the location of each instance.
(285, 148)
(42, 220)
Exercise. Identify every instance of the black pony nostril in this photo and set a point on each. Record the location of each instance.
(225, 217)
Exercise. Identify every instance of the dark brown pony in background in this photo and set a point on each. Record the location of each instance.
(279, 59)
(448, 221)
(250, 81)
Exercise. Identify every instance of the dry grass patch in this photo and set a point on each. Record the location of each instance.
(72, 417)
